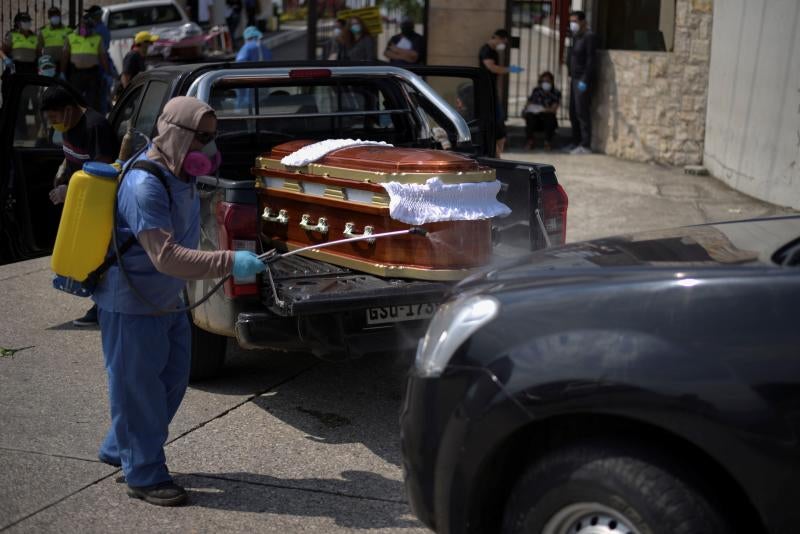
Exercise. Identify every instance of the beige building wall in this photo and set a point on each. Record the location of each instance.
(651, 106)
(458, 28)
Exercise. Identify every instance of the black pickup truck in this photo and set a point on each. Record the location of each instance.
(311, 305)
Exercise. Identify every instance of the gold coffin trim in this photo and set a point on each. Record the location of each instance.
(386, 271)
(357, 175)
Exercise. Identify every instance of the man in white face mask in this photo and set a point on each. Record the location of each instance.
(489, 59)
(582, 65)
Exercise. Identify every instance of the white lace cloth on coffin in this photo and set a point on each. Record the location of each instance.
(436, 201)
(313, 152)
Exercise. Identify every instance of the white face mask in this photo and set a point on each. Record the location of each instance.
(500, 47)
(547, 86)
(337, 32)
(51, 72)
(25, 26)
(55, 21)
(574, 27)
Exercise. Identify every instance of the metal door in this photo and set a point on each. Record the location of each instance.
(538, 29)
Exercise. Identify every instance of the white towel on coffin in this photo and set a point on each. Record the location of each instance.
(436, 201)
(315, 151)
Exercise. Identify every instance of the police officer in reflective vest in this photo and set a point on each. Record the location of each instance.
(52, 36)
(84, 54)
(19, 46)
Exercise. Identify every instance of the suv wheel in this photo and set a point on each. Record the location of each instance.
(208, 354)
(603, 488)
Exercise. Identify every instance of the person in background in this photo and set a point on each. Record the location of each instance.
(540, 112)
(363, 46)
(253, 49)
(47, 67)
(52, 37)
(205, 13)
(250, 12)
(582, 65)
(340, 41)
(407, 47)
(19, 51)
(233, 15)
(87, 60)
(146, 337)
(87, 136)
(134, 61)
(489, 60)
(109, 72)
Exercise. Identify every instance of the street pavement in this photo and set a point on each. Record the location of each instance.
(279, 442)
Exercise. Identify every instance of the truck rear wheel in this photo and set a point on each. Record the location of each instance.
(208, 354)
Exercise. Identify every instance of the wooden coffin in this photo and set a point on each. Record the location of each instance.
(342, 190)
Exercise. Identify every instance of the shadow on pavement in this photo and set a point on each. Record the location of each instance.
(236, 492)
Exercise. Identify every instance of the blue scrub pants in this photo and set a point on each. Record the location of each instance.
(147, 360)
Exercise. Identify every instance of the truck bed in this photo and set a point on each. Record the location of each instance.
(306, 286)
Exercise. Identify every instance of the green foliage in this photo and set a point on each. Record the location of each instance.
(9, 353)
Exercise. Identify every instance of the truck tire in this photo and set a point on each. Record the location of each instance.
(600, 487)
(208, 354)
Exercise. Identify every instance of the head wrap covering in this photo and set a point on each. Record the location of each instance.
(251, 32)
(180, 116)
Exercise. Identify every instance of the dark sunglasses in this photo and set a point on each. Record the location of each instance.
(203, 137)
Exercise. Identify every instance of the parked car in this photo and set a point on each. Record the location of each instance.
(316, 307)
(179, 37)
(642, 383)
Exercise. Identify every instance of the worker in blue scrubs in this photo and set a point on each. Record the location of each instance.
(146, 345)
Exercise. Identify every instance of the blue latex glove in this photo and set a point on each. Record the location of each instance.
(582, 86)
(246, 263)
(8, 62)
(515, 69)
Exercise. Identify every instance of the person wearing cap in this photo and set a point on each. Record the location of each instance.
(134, 61)
(52, 36)
(87, 60)
(253, 49)
(87, 136)
(407, 47)
(20, 46)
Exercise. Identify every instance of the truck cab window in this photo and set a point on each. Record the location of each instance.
(145, 121)
(31, 129)
(126, 110)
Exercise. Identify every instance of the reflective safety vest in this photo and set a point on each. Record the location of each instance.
(53, 40)
(23, 48)
(84, 51)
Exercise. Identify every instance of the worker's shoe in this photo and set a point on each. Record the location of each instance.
(90, 319)
(163, 494)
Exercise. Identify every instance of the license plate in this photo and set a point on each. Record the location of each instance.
(402, 312)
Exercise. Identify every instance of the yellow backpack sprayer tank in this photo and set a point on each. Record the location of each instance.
(86, 222)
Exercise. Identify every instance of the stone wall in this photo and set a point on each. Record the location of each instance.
(651, 106)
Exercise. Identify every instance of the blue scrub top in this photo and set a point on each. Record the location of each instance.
(144, 205)
(250, 52)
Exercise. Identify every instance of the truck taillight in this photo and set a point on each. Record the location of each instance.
(554, 213)
(238, 230)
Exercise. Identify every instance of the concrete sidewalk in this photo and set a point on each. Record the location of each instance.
(610, 196)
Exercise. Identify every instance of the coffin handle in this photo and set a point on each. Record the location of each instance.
(281, 218)
(349, 231)
(321, 226)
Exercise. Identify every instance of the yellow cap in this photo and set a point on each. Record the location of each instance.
(145, 37)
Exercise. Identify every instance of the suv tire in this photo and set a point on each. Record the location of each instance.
(208, 353)
(599, 486)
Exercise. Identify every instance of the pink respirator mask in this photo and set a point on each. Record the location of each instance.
(197, 163)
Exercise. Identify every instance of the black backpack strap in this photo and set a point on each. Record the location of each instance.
(157, 171)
